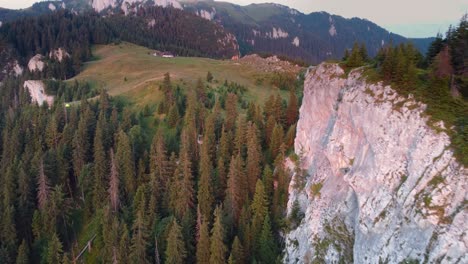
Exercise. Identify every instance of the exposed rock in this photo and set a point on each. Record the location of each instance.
(382, 186)
(52, 7)
(296, 42)
(332, 30)
(17, 69)
(129, 6)
(152, 23)
(207, 14)
(37, 91)
(270, 64)
(36, 63)
(100, 5)
(58, 54)
(279, 33)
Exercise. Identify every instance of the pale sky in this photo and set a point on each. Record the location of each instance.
(410, 18)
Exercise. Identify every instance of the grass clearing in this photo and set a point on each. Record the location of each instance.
(132, 71)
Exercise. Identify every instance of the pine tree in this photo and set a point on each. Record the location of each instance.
(205, 190)
(292, 112)
(100, 164)
(259, 209)
(203, 245)
(267, 252)
(182, 192)
(237, 252)
(43, 189)
(363, 52)
(54, 250)
(173, 116)
(23, 253)
(276, 140)
(235, 192)
(126, 164)
(124, 245)
(253, 160)
(139, 240)
(114, 183)
(218, 249)
(355, 58)
(175, 250)
(245, 231)
(160, 170)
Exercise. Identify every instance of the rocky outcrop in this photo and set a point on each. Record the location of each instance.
(37, 91)
(128, 6)
(36, 63)
(59, 54)
(381, 185)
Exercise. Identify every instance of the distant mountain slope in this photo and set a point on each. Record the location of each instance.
(185, 35)
(259, 28)
(281, 30)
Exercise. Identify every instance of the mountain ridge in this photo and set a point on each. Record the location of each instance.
(260, 28)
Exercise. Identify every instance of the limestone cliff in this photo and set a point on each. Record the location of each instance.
(381, 185)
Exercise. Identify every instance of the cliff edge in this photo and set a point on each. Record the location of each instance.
(381, 185)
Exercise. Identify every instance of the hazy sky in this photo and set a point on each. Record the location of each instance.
(411, 18)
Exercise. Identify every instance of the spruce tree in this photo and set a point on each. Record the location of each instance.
(218, 249)
(259, 209)
(100, 164)
(254, 156)
(205, 189)
(203, 245)
(276, 140)
(114, 183)
(54, 250)
(175, 250)
(237, 252)
(292, 112)
(139, 240)
(23, 253)
(126, 164)
(267, 251)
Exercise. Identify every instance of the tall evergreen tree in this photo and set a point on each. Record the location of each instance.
(205, 188)
(126, 163)
(253, 160)
(203, 245)
(218, 249)
(139, 240)
(267, 252)
(100, 164)
(175, 250)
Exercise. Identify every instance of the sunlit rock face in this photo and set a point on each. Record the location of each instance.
(381, 185)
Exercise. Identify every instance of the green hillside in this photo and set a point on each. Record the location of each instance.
(131, 70)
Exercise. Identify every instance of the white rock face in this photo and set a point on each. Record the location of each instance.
(332, 30)
(100, 5)
(279, 33)
(58, 54)
(37, 91)
(296, 42)
(17, 69)
(52, 7)
(36, 63)
(127, 4)
(207, 14)
(381, 186)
